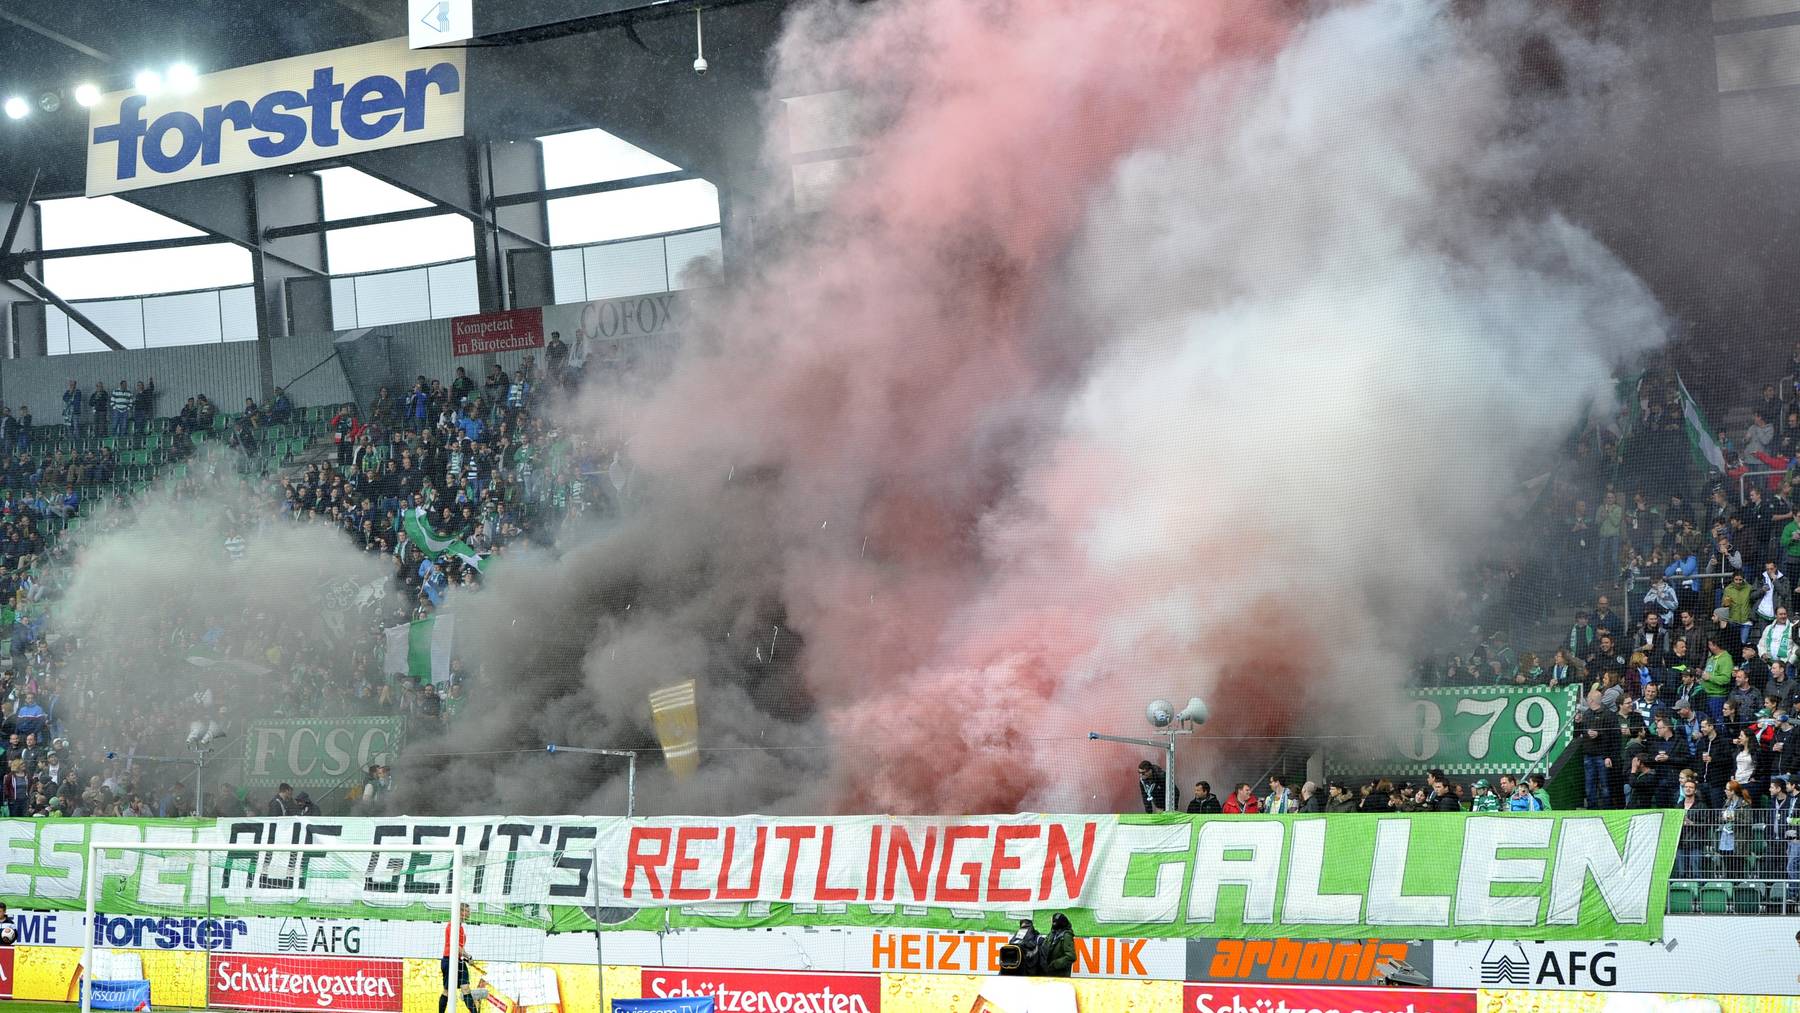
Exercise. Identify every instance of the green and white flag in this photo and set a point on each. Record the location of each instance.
(421, 649)
(1699, 434)
(419, 531)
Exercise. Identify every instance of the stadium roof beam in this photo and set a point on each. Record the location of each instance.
(458, 176)
(236, 209)
(54, 36)
(43, 292)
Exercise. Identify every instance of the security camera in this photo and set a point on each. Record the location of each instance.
(700, 64)
(1160, 713)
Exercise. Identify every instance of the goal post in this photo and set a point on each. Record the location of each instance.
(241, 903)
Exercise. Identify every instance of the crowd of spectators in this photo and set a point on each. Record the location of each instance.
(482, 463)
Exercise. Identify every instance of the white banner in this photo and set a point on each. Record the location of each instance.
(1725, 954)
(301, 109)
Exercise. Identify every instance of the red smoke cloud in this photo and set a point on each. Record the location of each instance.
(902, 371)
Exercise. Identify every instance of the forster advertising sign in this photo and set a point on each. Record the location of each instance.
(326, 105)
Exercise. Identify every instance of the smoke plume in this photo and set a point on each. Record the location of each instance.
(1149, 350)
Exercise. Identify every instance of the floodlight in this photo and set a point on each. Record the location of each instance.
(1160, 713)
(182, 77)
(148, 82)
(86, 94)
(17, 108)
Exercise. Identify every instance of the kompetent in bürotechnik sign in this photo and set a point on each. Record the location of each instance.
(1431, 876)
(324, 105)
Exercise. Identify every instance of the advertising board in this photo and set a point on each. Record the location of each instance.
(1301, 961)
(300, 109)
(501, 331)
(1243, 998)
(758, 991)
(257, 982)
(1742, 955)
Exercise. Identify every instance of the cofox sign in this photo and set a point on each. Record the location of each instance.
(379, 95)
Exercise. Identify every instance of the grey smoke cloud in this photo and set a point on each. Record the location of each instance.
(1212, 390)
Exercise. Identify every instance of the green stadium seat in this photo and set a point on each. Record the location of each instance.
(1681, 898)
(1715, 898)
(1747, 898)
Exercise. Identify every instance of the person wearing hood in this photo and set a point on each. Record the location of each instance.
(1059, 951)
(1153, 787)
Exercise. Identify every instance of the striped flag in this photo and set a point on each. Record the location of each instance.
(421, 649)
(677, 719)
(1699, 434)
(419, 532)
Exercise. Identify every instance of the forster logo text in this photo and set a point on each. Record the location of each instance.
(300, 109)
(169, 933)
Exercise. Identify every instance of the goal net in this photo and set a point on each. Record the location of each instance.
(372, 929)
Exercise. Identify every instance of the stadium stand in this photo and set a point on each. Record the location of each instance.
(480, 462)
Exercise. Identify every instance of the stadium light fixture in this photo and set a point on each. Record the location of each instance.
(182, 78)
(148, 82)
(17, 108)
(87, 94)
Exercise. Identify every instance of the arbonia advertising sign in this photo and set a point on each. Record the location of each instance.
(301, 109)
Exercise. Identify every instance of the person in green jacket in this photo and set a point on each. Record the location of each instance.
(1737, 604)
(1059, 952)
(1717, 678)
(1790, 545)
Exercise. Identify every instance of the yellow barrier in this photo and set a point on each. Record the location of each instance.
(48, 974)
(1532, 1001)
(958, 993)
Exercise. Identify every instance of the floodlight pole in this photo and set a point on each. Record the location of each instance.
(1168, 746)
(630, 768)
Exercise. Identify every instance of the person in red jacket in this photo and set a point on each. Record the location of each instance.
(1243, 800)
(461, 953)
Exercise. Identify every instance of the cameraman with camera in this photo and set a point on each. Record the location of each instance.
(1023, 954)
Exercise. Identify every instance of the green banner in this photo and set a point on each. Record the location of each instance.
(306, 752)
(1541, 876)
(1473, 730)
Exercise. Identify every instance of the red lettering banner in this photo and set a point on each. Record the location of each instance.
(506, 331)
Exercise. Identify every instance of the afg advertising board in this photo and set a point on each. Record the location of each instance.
(1745, 955)
(1530, 1001)
(1437, 876)
(301, 109)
